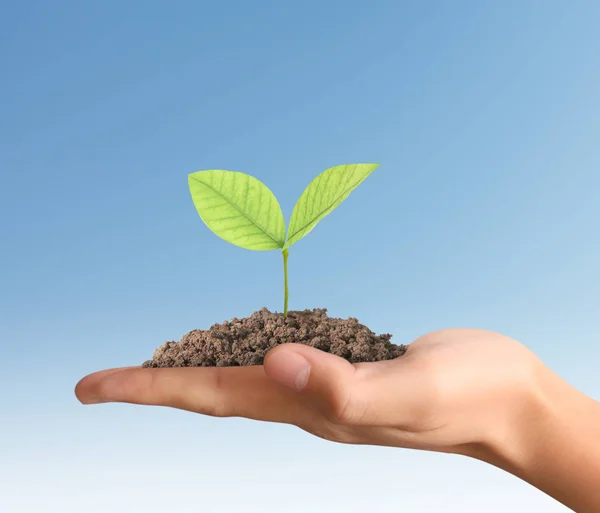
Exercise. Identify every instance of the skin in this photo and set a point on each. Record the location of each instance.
(461, 391)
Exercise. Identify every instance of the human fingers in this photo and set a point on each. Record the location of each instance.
(396, 393)
(216, 391)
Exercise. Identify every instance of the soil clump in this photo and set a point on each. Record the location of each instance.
(242, 342)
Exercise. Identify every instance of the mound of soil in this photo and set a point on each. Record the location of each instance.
(241, 342)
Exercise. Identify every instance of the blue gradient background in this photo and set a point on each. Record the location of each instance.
(484, 213)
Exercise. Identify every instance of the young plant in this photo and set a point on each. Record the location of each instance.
(243, 211)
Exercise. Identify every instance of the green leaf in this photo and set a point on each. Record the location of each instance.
(324, 194)
(238, 208)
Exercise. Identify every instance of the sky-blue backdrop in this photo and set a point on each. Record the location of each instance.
(484, 213)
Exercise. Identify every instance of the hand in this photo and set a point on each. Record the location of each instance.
(460, 391)
(451, 391)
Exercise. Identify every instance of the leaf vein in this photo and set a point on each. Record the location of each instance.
(243, 212)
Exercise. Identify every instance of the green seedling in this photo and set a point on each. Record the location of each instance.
(243, 211)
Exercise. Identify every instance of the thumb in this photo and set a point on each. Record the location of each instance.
(325, 380)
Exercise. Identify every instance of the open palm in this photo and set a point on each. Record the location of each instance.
(450, 388)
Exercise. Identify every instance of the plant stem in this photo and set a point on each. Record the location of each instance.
(285, 282)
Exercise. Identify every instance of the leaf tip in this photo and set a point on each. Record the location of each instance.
(191, 176)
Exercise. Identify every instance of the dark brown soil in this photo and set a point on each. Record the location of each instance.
(246, 341)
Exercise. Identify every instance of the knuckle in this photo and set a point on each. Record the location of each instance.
(339, 410)
(152, 385)
(332, 432)
(349, 411)
(217, 406)
(347, 408)
(344, 404)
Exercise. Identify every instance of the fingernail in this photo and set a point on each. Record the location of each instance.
(290, 369)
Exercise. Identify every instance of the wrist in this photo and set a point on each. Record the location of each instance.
(550, 440)
(530, 413)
